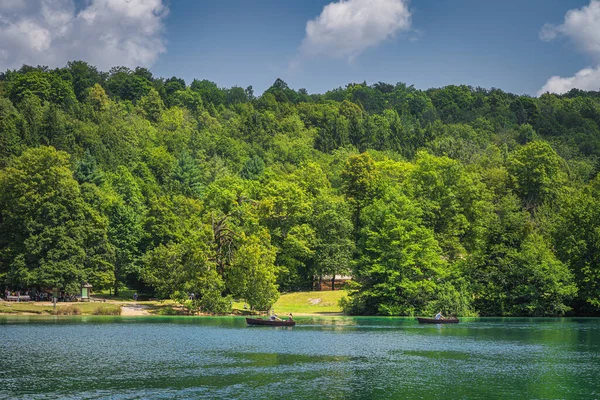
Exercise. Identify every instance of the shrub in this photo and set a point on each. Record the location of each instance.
(167, 311)
(68, 310)
(107, 309)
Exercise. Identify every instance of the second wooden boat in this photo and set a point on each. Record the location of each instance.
(437, 321)
(268, 322)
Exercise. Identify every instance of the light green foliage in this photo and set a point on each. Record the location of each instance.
(536, 172)
(187, 98)
(359, 180)
(151, 105)
(454, 203)
(255, 273)
(182, 269)
(401, 266)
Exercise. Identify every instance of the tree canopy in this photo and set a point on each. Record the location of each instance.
(467, 200)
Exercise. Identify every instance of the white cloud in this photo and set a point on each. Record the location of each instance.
(104, 33)
(348, 27)
(586, 79)
(582, 27)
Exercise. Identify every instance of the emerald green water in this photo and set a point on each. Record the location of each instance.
(335, 358)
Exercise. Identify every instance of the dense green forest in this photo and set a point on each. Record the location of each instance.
(466, 200)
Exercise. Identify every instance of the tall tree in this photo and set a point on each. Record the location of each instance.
(45, 223)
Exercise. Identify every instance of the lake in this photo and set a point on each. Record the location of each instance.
(325, 357)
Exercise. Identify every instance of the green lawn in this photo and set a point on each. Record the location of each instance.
(309, 302)
(37, 308)
(298, 303)
(15, 308)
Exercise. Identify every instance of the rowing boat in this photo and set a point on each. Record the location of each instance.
(268, 322)
(437, 321)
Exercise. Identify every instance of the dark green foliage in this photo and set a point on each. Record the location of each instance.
(12, 131)
(209, 91)
(253, 168)
(126, 85)
(87, 170)
(459, 199)
(46, 227)
(83, 76)
(46, 86)
(517, 273)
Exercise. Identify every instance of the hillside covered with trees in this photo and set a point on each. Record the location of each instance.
(461, 199)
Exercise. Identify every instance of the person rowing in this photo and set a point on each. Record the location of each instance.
(439, 315)
(274, 317)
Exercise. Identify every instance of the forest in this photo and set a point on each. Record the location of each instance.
(468, 200)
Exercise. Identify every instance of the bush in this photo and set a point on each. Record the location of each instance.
(107, 309)
(68, 310)
(167, 311)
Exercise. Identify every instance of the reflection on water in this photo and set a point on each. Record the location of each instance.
(334, 357)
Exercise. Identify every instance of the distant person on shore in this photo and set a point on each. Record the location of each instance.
(439, 315)
(135, 296)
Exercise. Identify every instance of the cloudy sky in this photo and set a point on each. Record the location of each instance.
(522, 46)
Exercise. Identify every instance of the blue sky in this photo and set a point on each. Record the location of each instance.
(429, 43)
(479, 43)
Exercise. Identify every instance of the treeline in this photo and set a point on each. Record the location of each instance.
(460, 199)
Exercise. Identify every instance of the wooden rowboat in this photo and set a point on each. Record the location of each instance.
(437, 321)
(267, 322)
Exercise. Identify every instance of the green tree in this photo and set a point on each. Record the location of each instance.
(333, 230)
(517, 274)
(400, 270)
(46, 224)
(576, 236)
(12, 128)
(151, 105)
(87, 170)
(359, 178)
(209, 91)
(182, 271)
(536, 173)
(254, 273)
(253, 168)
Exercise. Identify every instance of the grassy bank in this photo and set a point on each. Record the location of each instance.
(325, 302)
(310, 302)
(61, 309)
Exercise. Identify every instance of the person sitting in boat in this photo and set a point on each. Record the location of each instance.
(439, 315)
(274, 317)
(290, 317)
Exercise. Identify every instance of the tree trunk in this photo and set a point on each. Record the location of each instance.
(320, 281)
(333, 282)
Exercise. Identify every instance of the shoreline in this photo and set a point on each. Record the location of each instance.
(128, 309)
